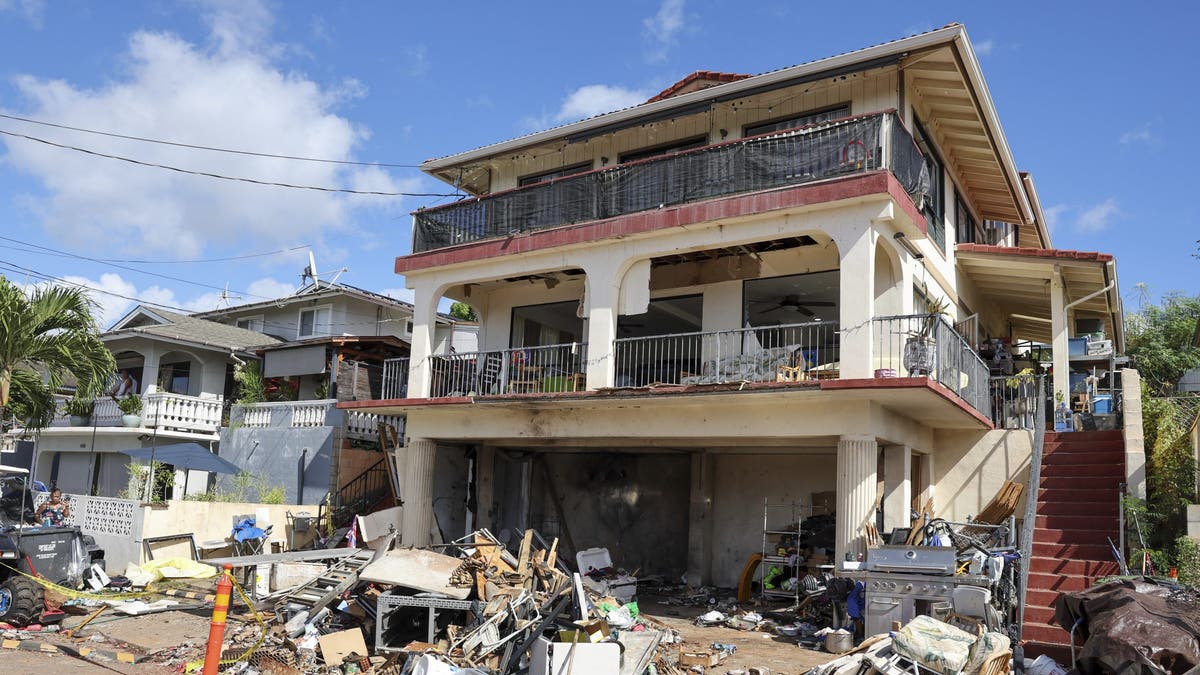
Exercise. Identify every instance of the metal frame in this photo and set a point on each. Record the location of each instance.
(190, 537)
(386, 603)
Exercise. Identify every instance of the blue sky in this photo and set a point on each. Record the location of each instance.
(1094, 99)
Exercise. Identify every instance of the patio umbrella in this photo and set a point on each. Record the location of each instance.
(185, 456)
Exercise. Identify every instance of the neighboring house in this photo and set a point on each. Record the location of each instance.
(702, 302)
(183, 367)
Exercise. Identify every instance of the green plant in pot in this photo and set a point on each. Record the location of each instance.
(79, 410)
(131, 409)
(920, 349)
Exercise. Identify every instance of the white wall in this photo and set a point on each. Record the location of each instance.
(970, 467)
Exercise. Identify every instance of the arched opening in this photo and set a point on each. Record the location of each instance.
(886, 282)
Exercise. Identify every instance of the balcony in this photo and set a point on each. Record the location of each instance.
(174, 412)
(359, 425)
(928, 346)
(521, 370)
(818, 152)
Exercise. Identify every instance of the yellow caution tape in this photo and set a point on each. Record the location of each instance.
(194, 666)
(83, 595)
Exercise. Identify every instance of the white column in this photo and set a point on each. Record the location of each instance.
(1059, 334)
(897, 486)
(424, 322)
(149, 370)
(603, 291)
(856, 300)
(700, 539)
(417, 462)
(857, 459)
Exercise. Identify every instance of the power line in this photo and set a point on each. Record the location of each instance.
(174, 262)
(206, 174)
(209, 148)
(54, 251)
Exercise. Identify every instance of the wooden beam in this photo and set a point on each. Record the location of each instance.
(925, 83)
(933, 67)
(934, 100)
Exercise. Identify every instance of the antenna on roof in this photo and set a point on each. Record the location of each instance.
(310, 272)
(225, 297)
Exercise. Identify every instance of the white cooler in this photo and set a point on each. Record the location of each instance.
(623, 588)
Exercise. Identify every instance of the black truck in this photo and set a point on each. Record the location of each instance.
(57, 554)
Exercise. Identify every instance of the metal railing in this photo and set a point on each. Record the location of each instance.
(360, 493)
(1016, 400)
(926, 345)
(522, 370)
(817, 152)
(395, 378)
(790, 352)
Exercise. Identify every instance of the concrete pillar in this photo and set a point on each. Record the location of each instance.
(1134, 435)
(1059, 334)
(856, 249)
(149, 370)
(857, 459)
(424, 322)
(700, 538)
(417, 462)
(485, 485)
(897, 487)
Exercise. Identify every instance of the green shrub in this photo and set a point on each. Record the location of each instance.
(1187, 560)
(79, 407)
(130, 405)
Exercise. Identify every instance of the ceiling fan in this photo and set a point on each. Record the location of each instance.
(795, 304)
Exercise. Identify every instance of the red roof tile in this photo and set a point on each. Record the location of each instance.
(702, 79)
(1035, 252)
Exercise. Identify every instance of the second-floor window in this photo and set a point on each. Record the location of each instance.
(252, 322)
(967, 229)
(536, 178)
(315, 322)
(676, 146)
(935, 203)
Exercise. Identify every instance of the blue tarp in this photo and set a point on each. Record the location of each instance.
(185, 456)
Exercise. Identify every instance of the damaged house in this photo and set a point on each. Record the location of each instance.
(805, 287)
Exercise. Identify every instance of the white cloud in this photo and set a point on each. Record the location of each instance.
(228, 94)
(418, 60)
(1140, 135)
(1054, 215)
(33, 11)
(1098, 217)
(594, 99)
(662, 29)
(985, 47)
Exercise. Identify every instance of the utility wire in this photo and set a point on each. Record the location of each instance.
(54, 251)
(209, 148)
(218, 176)
(171, 262)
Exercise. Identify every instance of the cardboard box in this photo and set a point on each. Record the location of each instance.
(335, 647)
(700, 658)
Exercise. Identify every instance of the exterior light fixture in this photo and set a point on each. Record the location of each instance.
(908, 246)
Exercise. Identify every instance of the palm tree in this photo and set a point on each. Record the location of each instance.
(51, 331)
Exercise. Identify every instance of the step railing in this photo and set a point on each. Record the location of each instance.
(1015, 401)
(359, 493)
(791, 352)
(1029, 519)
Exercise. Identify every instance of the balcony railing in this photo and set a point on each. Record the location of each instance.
(395, 378)
(195, 414)
(791, 352)
(817, 152)
(1018, 401)
(296, 414)
(364, 426)
(927, 346)
(551, 368)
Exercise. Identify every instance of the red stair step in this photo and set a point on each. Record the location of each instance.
(1092, 495)
(1067, 483)
(1036, 597)
(1087, 471)
(1072, 507)
(1039, 615)
(1058, 582)
(1061, 653)
(1047, 549)
(1093, 523)
(1083, 568)
(1064, 446)
(1089, 457)
(1044, 633)
(1090, 537)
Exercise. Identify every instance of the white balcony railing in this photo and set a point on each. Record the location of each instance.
(179, 412)
(364, 426)
(284, 414)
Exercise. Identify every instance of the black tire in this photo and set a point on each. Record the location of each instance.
(20, 601)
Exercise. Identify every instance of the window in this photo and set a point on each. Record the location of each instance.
(315, 322)
(252, 322)
(813, 117)
(555, 323)
(408, 326)
(534, 179)
(967, 229)
(934, 207)
(676, 146)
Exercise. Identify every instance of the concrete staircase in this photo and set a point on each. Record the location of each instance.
(1077, 511)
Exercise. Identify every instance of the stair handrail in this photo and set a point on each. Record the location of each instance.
(1031, 496)
(360, 487)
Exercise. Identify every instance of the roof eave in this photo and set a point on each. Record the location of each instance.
(933, 38)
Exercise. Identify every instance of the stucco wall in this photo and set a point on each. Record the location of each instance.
(741, 482)
(209, 521)
(285, 456)
(969, 467)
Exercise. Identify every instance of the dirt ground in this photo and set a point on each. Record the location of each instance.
(168, 630)
(782, 655)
